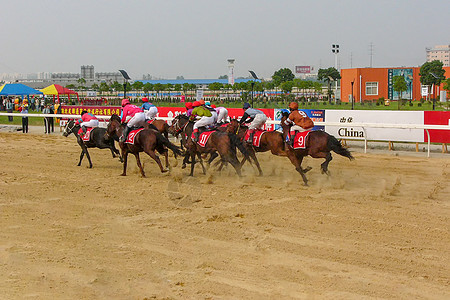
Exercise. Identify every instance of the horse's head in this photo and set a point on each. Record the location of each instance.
(178, 124)
(69, 128)
(113, 126)
(233, 126)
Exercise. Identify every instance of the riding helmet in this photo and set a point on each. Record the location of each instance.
(188, 105)
(246, 105)
(202, 102)
(125, 102)
(145, 99)
(196, 103)
(83, 112)
(293, 106)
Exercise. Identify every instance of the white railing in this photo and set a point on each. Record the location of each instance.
(362, 125)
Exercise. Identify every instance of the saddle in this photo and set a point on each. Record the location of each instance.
(132, 134)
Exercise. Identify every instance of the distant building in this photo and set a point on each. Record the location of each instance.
(441, 53)
(370, 84)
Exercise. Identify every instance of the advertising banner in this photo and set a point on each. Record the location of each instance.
(408, 75)
(316, 115)
(376, 134)
(437, 118)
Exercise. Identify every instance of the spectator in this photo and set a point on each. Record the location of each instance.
(51, 119)
(9, 109)
(46, 110)
(24, 110)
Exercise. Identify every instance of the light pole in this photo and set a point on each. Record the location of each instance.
(352, 94)
(126, 78)
(253, 83)
(335, 50)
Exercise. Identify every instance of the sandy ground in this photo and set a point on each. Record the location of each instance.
(377, 228)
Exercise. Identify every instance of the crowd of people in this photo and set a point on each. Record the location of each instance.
(26, 104)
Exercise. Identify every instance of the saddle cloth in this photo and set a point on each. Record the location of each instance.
(87, 136)
(132, 135)
(203, 138)
(300, 140)
(150, 121)
(256, 137)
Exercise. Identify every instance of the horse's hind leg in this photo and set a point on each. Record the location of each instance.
(192, 162)
(324, 165)
(153, 155)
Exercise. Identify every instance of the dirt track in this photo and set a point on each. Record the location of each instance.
(378, 228)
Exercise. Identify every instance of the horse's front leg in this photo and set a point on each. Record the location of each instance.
(192, 154)
(199, 155)
(81, 157)
(166, 156)
(297, 162)
(125, 160)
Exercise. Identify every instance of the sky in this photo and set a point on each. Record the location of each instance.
(194, 39)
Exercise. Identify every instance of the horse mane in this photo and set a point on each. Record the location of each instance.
(115, 117)
(285, 114)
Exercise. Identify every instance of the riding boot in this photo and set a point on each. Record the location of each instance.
(83, 129)
(250, 136)
(196, 135)
(124, 136)
(291, 138)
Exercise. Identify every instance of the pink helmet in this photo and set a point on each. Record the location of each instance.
(125, 102)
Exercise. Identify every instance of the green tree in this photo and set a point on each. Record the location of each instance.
(104, 87)
(287, 86)
(282, 75)
(158, 87)
(399, 85)
(447, 85)
(137, 85)
(223, 77)
(215, 86)
(147, 88)
(432, 73)
(328, 75)
(81, 82)
(95, 87)
(116, 86)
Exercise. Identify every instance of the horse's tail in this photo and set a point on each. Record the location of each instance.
(162, 139)
(235, 142)
(336, 146)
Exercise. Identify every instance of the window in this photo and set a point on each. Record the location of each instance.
(371, 88)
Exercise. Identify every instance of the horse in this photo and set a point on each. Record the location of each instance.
(160, 125)
(318, 144)
(147, 140)
(97, 140)
(270, 141)
(222, 142)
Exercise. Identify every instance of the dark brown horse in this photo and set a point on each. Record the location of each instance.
(97, 140)
(147, 140)
(319, 144)
(221, 142)
(270, 141)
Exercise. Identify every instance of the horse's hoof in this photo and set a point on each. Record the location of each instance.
(183, 166)
(307, 169)
(164, 171)
(123, 174)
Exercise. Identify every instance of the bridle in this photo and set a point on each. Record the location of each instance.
(177, 127)
(70, 129)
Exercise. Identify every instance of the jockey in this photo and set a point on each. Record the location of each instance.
(87, 120)
(132, 115)
(257, 118)
(149, 109)
(211, 109)
(189, 108)
(205, 115)
(222, 114)
(300, 120)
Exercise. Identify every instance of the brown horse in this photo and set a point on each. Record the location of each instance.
(270, 141)
(222, 142)
(160, 125)
(319, 144)
(147, 140)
